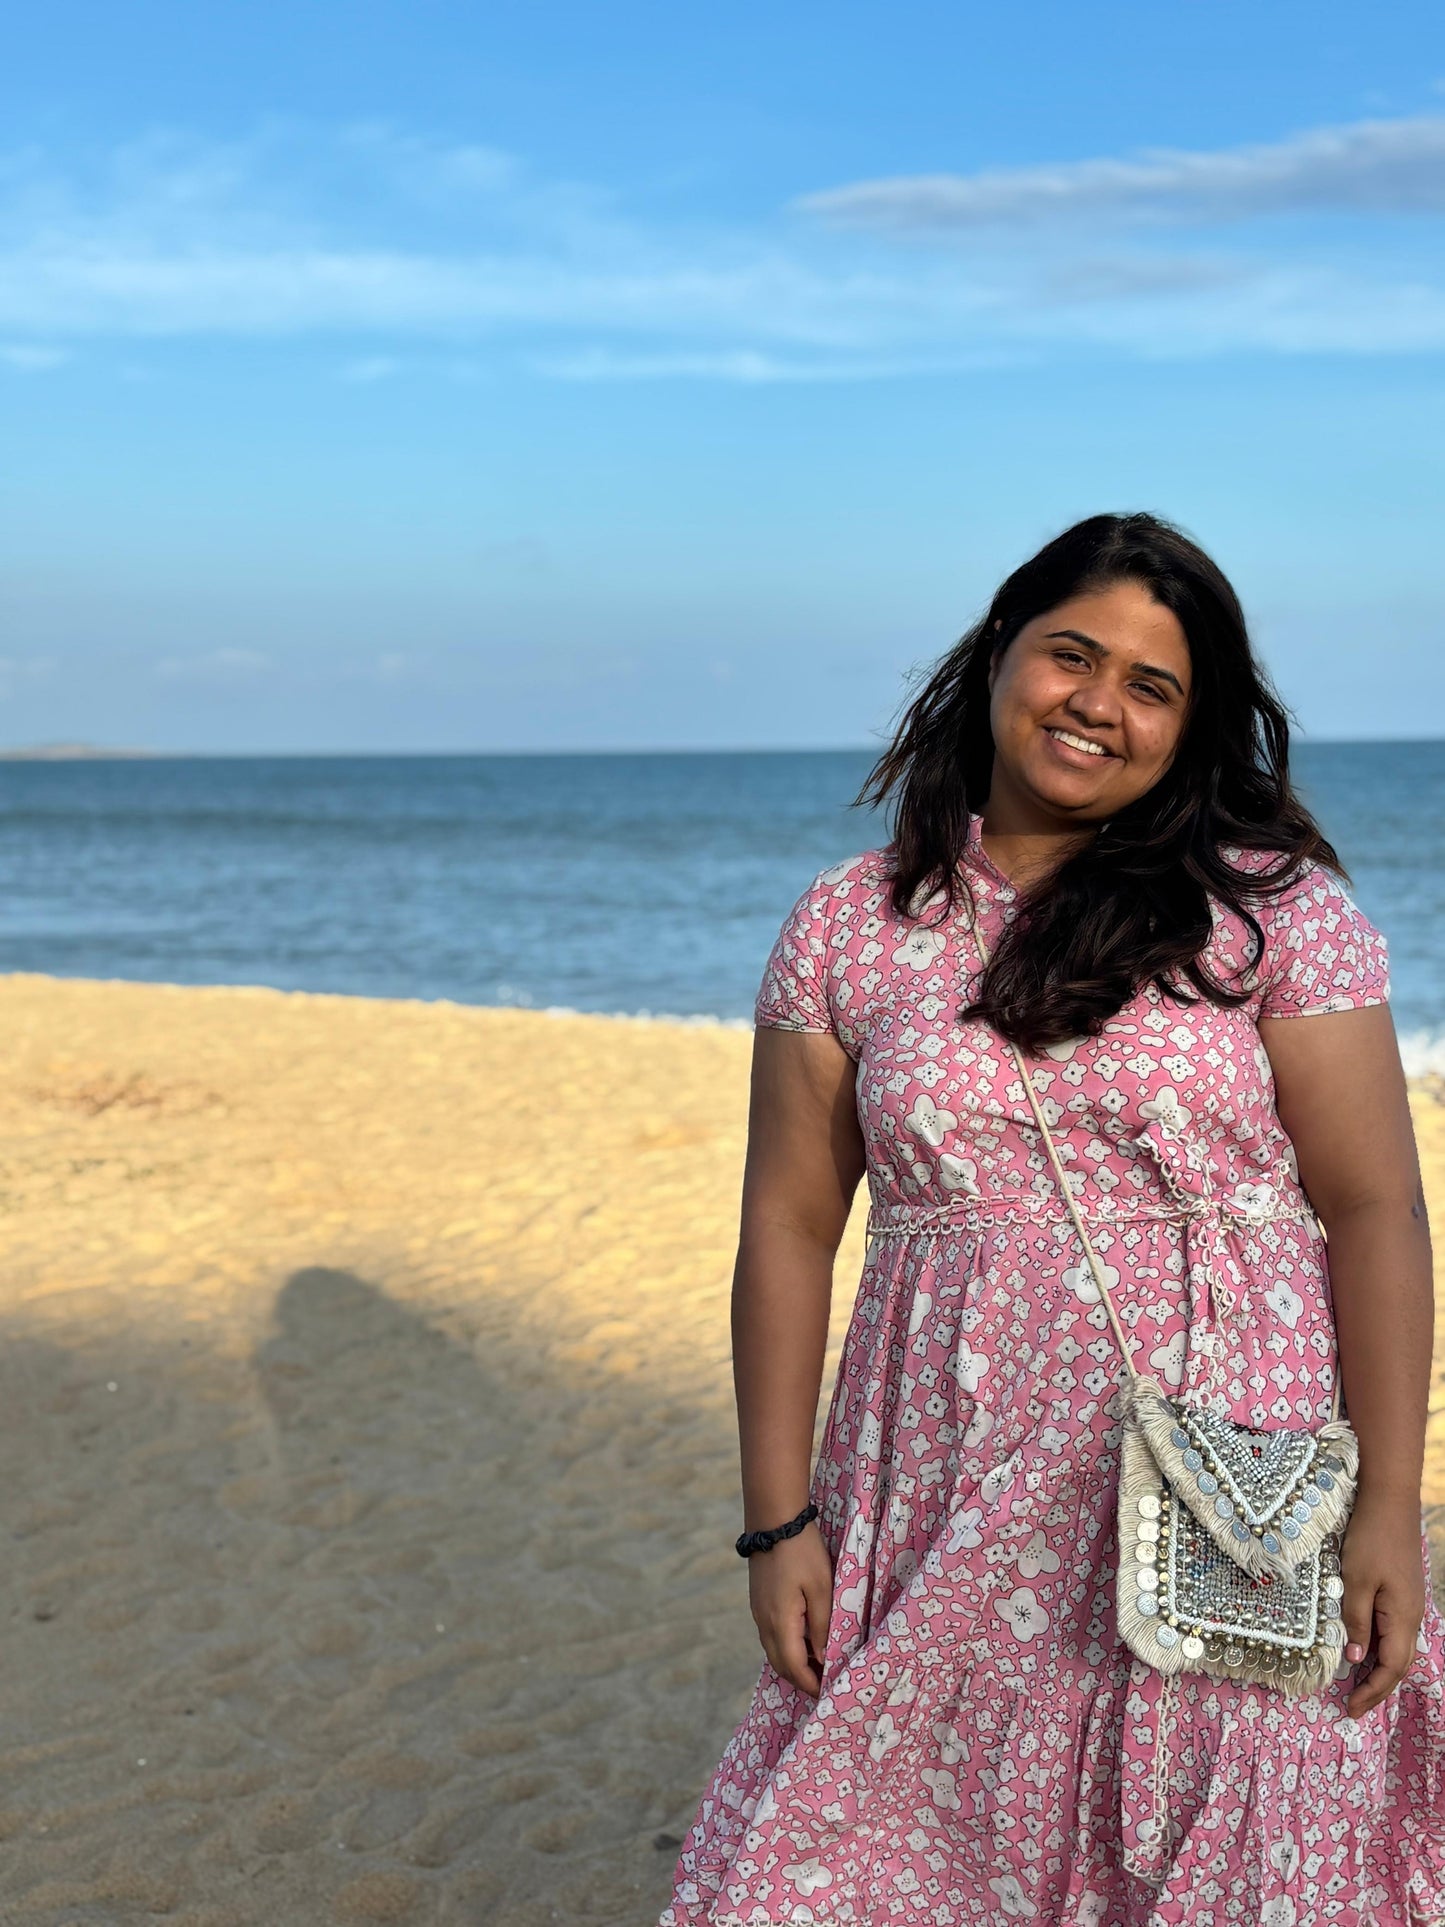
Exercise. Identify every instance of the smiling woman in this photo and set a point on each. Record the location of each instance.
(1098, 858)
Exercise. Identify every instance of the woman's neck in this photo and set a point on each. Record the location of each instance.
(1026, 850)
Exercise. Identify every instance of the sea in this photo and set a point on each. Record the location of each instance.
(635, 884)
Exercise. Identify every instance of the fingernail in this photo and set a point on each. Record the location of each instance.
(1354, 1650)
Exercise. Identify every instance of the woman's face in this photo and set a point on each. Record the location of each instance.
(1109, 669)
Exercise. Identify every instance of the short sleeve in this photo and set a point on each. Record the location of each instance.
(794, 992)
(1321, 952)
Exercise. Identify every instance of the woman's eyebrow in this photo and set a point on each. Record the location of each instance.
(1148, 668)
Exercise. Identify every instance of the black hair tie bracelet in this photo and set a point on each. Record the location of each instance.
(751, 1542)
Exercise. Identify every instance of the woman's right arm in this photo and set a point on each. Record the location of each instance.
(805, 1158)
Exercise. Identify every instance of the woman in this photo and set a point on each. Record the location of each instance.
(948, 1727)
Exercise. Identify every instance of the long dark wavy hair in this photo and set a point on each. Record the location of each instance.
(1131, 906)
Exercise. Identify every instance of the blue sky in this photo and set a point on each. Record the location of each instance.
(570, 377)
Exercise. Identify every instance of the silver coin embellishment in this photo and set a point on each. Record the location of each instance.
(1224, 1507)
(1290, 1528)
(1312, 1495)
(1166, 1635)
(1191, 1459)
(1149, 1505)
(1148, 1529)
(1332, 1586)
(1325, 1480)
(1147, 1604)
(1148, 1580)
(1180, 1437)
(1192, 1646)
(1207, 1483)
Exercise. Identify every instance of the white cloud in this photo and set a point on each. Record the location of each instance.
(215, 667)
(1368, 167)
(371, 368)
(31, 357)
(411, 254)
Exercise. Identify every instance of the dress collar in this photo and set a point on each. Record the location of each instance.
(977, 858)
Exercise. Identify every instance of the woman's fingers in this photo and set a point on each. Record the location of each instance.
(818, 1602)
(791, 1642)
(791, 1589)
(1394, 1658)
(1357, 1609)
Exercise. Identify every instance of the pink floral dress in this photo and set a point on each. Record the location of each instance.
(985, 1748)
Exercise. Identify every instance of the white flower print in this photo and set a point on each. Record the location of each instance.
(964, 1533)
(1166, 1109)
(922, 1306)
(1012, 1898)
(884, 1733)
(919, 948)
(1065, 1048)
(1168, 1360)
(979, 1427)
(1278, 1912)
(859, 1542)
(1252, 1201)
(995, 1482)
(958, 1174)
(971, 1367)
(1038, 1556)
(808, 1876)
(1082, 1283)
(1091, 1910)
(1284, 1857)
(851, 1598)
(1285, 1302)
(943, 1786)
(1023, 1612)
(927, 1121)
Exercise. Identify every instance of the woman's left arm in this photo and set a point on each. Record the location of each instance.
(1341, 1095)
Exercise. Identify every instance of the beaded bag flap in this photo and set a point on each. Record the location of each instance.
(1269, 1499)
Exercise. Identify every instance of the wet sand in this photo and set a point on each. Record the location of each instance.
(367, 1467)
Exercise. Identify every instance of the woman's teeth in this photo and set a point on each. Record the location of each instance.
(1078, 742)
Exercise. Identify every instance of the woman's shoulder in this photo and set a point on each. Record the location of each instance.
(866, 870)
(1321, 952)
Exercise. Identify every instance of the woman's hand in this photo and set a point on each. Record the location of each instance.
(790, 1590)
(1384, 1575)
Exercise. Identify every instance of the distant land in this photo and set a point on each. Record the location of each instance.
(67, 753)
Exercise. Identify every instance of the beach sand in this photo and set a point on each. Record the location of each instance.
(367, 1455)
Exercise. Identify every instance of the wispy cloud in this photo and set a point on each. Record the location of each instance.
(218, 668)
(31, 357)
(367, 369)
(418, 255)
(1369, 167)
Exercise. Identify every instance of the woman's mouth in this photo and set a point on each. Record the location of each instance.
(1077, 750)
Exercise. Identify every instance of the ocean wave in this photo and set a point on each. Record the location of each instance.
(1422, 1052)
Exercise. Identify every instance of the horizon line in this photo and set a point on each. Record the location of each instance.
(96, 753)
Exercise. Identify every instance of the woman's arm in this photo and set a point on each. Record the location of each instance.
(1341, 1096)
(804, 1160)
